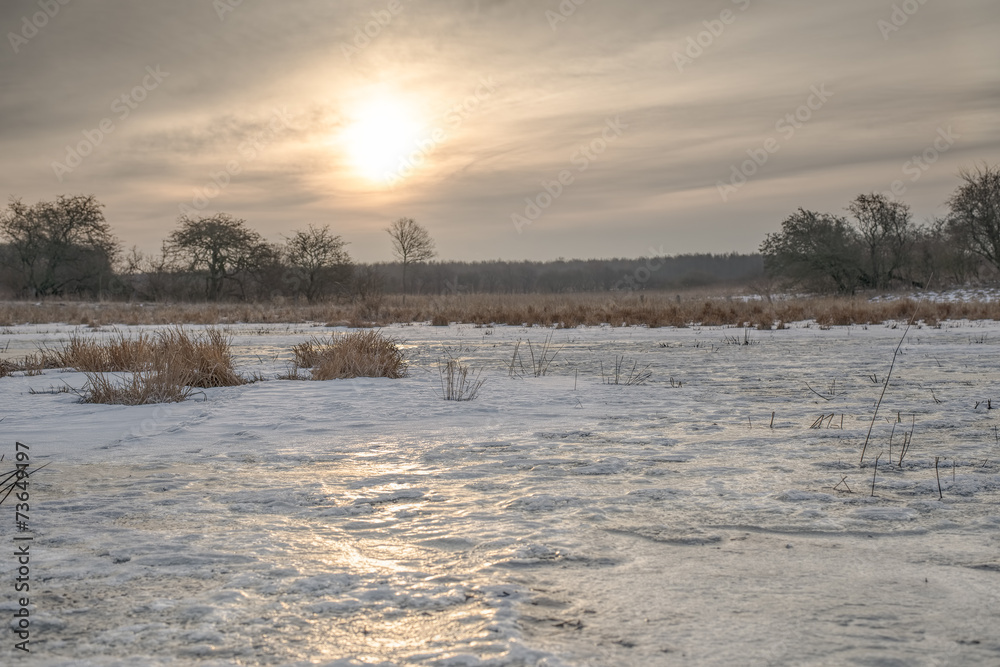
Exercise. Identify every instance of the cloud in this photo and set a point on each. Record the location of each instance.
(555, 90)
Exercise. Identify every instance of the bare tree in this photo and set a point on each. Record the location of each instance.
(61, 245)
(410, 243)
(316, 259)
(975, 211)
(221, 245)
(886, 234)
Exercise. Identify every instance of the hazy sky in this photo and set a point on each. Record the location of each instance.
(455, 112)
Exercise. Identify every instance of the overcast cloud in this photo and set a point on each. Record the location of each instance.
(274, 89)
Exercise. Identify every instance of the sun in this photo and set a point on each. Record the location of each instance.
(384, 132)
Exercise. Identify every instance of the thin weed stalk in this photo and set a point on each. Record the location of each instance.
(457, 383)
(625, 375)
(885, 386)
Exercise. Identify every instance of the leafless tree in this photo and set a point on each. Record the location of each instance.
(60, 246)
(316, 259)
(975, 211)
(886, 234)
(410, 243)
(220, 245)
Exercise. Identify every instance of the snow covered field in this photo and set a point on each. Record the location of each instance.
(554, 521)
(956, 295)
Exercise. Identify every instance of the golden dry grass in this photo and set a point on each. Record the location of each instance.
(31, 364)
(160, 368)
(166, 382)
(568, 310)
(120, 353)
(356, 354)
(207, 357)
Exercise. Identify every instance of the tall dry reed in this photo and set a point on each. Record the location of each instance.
(567, 310)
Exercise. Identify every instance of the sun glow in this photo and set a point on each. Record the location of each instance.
(384, 132)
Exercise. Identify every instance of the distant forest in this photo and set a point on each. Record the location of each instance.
(576, 275)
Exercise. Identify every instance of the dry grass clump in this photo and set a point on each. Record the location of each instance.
(309, 353)
(167, 382)
(165, 368)
(121, 353)
(32, 364)
(351, 355)
(201, 360)
(207, 357)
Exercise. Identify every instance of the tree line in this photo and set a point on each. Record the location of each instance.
(880, 247)
(67, 248)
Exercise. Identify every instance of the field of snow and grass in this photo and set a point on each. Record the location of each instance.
(556, 520)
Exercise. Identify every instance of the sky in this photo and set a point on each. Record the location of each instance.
(510, 129)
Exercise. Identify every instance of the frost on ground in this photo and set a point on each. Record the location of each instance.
(556, 520)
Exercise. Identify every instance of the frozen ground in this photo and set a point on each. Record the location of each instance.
(554, 521)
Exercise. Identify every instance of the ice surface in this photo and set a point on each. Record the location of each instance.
(554, 521)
